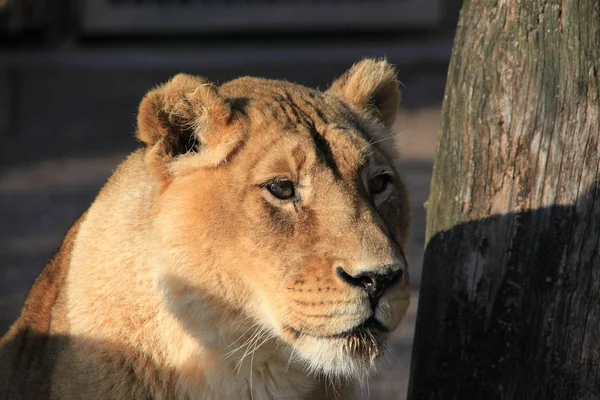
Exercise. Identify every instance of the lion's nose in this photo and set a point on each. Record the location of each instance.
(374, 283)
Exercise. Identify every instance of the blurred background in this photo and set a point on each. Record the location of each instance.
(73, 72)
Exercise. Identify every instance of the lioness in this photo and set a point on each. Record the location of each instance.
(251, 249)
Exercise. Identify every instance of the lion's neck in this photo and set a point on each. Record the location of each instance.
(252, 366)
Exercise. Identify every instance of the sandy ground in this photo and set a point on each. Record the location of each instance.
(39, 200)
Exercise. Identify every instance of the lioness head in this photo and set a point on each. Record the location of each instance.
(280, 209)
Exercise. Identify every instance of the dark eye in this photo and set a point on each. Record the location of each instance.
(379, 183)
(283, 190)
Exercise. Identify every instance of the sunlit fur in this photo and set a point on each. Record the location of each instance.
(186, 278)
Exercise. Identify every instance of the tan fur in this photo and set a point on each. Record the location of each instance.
(186, 278)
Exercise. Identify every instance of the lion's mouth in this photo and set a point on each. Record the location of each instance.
(364, 342)
(369, 327)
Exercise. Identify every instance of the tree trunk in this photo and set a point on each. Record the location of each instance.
(510, 296)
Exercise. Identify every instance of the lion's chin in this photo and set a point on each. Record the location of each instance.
(349, 355)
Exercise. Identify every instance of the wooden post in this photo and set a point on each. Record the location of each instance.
(510, 295)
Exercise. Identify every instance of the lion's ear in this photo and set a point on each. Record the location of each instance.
(186, 115)
(370, 86)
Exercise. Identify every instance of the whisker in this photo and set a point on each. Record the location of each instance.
(244, 333)
(287, 366)
(254, 337)
(393, 136)
(230, 353)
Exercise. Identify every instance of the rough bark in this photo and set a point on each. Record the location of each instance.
(510, 296)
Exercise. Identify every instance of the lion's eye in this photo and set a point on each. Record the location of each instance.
(379, 183)
(283, 190)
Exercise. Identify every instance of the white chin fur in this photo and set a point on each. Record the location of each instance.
(334, 359)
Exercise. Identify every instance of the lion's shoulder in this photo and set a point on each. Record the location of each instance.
(28, 349)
